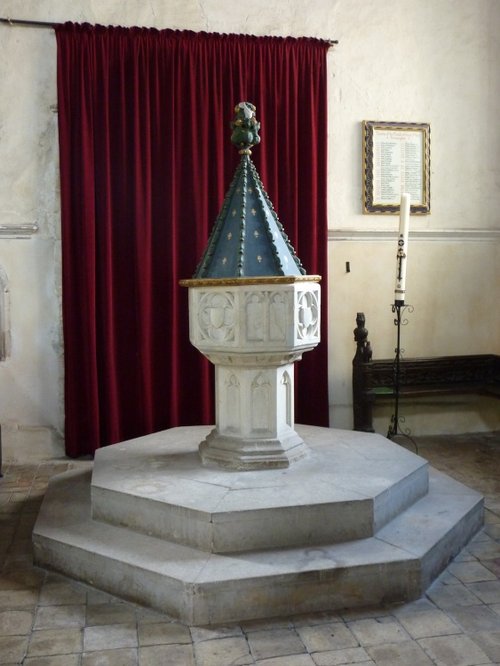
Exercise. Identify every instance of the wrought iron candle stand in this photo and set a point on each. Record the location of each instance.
(399, 308)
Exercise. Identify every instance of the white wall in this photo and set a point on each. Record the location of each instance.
(432, 61)
(399, 60)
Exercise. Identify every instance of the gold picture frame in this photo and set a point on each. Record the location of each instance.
(396, 159)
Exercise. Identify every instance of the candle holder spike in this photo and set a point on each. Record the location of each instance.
(399, 308)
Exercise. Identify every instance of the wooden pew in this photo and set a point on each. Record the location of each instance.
(374, 380)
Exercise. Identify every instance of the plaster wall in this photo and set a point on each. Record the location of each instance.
(403, 60)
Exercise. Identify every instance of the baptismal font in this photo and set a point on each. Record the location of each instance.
(253, 312)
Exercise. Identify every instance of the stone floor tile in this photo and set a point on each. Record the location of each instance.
(109, 637)
(493, 530)
(448, 596)
(10, 508)
(398, 654)
(271, 623)
(37, 490)
(364, 613)
(54, 577)
(20, 598)
(493, 566)
(24, 529)
(495, 608)
(21, 546)
(207, 633)
(490, 518)
(492, 503)
(471, 572)
(429, 623)
(145, 615)
(120, 657)
(275, 643)
(18, 496)
(8, 484)
(161, 633)
(311, 619)
(13, 480)
(417, 606)
(22, 580)
(109, 613)
(223, 652)
(294, 660)
(9, 525)
(17, 561)
(15, 623)
(55, 617)
(55, 641)
(480, 536)
(489, 642)
(356, 655)
(378, 631)
(465, 556)
(32, 506)
(447, 578)
(488, 592)
(485, 550)
(95, 597)
(475, 618)
(62, 593)
(457, 650)
(48, 468)
(56, 660)
(12, 649)
(169, 654)
(323, 637)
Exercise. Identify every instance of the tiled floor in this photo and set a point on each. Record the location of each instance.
(47, 620)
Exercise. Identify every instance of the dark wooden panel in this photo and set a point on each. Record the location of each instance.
(373, 380)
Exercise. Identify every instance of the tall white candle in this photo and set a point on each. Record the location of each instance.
(402, 255)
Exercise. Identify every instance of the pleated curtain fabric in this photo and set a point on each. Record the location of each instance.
(145, 161)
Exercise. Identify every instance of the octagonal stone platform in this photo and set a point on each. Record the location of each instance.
(360, 521)
(344, 490)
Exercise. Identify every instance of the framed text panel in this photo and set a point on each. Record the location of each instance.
(396, 159)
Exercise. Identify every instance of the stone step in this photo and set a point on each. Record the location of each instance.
(349, 486)
(199, 587)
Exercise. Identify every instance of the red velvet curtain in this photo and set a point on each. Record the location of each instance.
(145, 162)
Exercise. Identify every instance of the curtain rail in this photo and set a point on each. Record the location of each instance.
(46, 24)
(28, 24)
